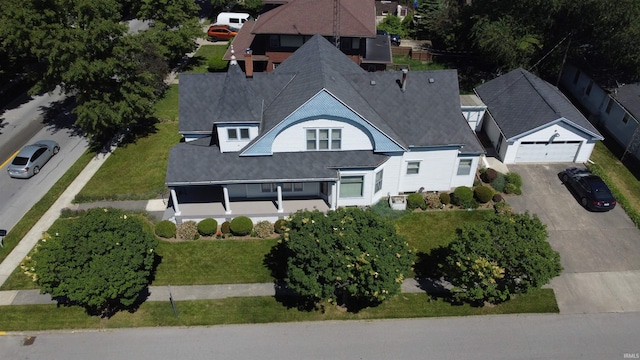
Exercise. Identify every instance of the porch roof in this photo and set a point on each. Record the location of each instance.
(199, 163)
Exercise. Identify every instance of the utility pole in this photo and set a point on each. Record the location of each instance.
(336, 23)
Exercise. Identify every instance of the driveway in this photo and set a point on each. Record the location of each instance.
(600, 252)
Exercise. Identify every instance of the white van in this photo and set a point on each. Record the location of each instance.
(232, 19)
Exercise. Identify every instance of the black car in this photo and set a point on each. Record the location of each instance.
(592, 192)
(395, 39)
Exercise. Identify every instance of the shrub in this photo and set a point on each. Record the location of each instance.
(225, 228)
(188, 230)
(489, 176)
(483, 194)
(497, 198)
(415, 201)
(207, 227)
(514, 178)
(241, 226)
(462, 195)
(383, 209)
(433, 201)
(263, 229)
(509, 188)
(498, 183)
(166, 229)
(277, 226)
(445, 198)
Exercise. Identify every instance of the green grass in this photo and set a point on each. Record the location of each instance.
(199, 61)
(35, 213)
(429, 230)
(166, 109)
(134, 171)
(254, 310)
(417, 65)
(626, 182)
(213, 262)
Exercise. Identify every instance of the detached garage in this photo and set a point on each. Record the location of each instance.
(529, 120)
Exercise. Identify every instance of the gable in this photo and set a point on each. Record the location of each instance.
(322, 106)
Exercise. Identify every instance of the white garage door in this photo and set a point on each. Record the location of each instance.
(530, 151)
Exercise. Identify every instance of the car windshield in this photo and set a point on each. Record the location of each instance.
(19, 160)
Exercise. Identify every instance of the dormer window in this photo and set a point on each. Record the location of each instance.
(324, 139)
(232, 133)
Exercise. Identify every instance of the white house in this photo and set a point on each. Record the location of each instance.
(317, 132)
(529, 120)
(617, 111)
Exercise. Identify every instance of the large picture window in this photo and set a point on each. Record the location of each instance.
(324, 139)
(464, 168)
(351, 186)
(378, 181)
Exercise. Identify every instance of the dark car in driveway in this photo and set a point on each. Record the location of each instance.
(592, 192)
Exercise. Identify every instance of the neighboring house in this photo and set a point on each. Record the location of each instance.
(317, 132)
(617, 111)
(279, 32)
(530, 121)
(385, 8)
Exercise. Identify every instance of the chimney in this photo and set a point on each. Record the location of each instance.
(248, 62)
(404, 79)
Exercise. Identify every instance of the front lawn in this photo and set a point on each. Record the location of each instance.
(250, 310)
(134, 171)
(199, 63)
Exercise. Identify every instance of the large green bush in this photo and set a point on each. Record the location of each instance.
(241, 226)
(462, 195)
(498, 183)
(483, 194)
(416, 201)
(207, 227)
(514, 178)
(165, 229)
(445, 198)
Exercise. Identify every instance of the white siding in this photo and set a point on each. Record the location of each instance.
(230, 145)
(436, 170)
(474, 116)
(464, 180)
(367, 191)
(294, 138)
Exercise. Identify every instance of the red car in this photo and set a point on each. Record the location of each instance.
(221, 32)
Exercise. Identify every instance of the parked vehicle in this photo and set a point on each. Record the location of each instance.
(395, 39)
(221, 32)
(32, 158)
(592, 192)
(232, 19)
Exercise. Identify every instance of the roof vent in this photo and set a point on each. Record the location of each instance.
(432, 80)
(373, 83)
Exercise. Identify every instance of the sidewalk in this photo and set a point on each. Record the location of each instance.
(181, 293)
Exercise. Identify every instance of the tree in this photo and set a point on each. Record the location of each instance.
(505, 254)
(348, 256)
(101, 261)
(392, 25)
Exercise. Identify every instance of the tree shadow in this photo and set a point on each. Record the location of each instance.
(59, 116)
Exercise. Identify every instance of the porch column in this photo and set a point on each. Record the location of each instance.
(280, 207)
(174, 198)
(227, 204)
(333, 196)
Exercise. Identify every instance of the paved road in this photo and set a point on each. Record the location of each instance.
(600, 252)
(592, 336)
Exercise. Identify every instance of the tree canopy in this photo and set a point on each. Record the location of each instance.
(505, 254)
(102, 260)
(348, 256)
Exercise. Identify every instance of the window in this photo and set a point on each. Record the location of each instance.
(625, 118)
(588, 91)
(287, 187)
(464, 168)
(298, 186)
(576, 77)
(267, 187)
(378, 181)
(609, 105)
(351, 186)
(232, 133)
(413, 167)
(324, 139)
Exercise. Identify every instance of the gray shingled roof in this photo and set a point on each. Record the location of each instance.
(520, 102)
(427, 114)
(214, 167)
(629, 97)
